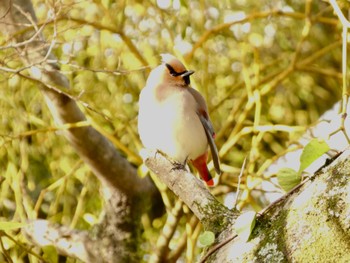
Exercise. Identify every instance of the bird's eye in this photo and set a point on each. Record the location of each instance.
(173, 73)
(172, 70)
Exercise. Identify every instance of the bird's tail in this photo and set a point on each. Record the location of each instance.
(201, 165)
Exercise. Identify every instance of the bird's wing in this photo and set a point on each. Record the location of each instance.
(208, 127)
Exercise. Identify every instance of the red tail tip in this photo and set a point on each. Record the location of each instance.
(210, 182)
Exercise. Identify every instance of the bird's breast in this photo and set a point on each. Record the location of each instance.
(172, 125)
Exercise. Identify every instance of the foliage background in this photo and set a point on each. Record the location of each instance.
(258, 64)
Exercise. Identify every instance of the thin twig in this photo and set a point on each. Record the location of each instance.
(259, 15)
(57, 90)
(217, 247)
(25, 42)
(345, 95)
(7, 11)
(25, 248)
(339, 13)
(4, 251)
(239, 181)
(162, 247)
(181, 244)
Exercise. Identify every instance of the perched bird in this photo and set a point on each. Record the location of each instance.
(173, 118)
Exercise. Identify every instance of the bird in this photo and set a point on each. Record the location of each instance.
(173, 118)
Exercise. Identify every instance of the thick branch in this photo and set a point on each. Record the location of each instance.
(67, 241)
(126, 194)
(309, 225)
(213, 215)
(94, 148)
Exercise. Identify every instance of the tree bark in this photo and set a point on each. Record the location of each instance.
(214, 216)
(127, 196)
(310, 224)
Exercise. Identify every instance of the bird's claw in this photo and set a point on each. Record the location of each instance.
(161, 153)
(178, 166)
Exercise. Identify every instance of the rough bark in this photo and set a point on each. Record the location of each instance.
(126, 194)
(213, 215)
(311, 224)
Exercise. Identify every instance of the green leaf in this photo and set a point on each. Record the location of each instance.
(312, 151)
(245, 224)
(50, 254)
(11, 225)
(206, 239)
(288, 178)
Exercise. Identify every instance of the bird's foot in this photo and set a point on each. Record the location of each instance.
(161, 153)
(178, 165)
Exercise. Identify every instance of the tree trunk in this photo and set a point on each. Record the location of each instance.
(127, 196)
(309, 224)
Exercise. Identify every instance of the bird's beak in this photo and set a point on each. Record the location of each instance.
(187, 73)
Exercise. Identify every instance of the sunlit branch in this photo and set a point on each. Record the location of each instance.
(339, 13)
(68, 242)
(191, 191)
(321, 71)
(66, 126)
(275, 80)
(112, 29)
(175, 254)
(162, 247)
(345, 94)
(207, 34)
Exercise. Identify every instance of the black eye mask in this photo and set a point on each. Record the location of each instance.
(185, 74)
(187, 80)
(173, 72)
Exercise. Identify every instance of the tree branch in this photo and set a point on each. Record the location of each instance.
(99, 153)
(125, 193)
(259, 15)
(213, 215)
(309, 225)
(68, 242)
(162, 247)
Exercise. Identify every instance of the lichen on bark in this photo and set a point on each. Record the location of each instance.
(309, 225)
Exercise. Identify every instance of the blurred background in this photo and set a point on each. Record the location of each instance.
(268, 70)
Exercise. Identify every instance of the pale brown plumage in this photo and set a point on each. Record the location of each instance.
(173, 117)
